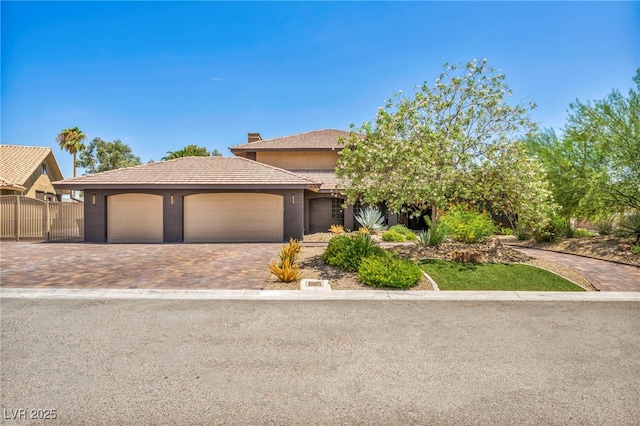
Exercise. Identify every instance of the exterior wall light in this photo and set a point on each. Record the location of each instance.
(93, 199)
(171, 199)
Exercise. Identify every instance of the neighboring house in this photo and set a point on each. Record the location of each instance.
(272, 190)
(29, 171)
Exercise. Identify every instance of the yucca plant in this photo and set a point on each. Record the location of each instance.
(372, 219)
(286, 271)
(337, 229)
(629, 226)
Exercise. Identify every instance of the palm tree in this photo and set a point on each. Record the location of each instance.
(70, 140)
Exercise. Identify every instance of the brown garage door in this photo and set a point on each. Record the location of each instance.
(134, 218)
(233, 217)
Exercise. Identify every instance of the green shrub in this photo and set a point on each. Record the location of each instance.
(394, 236)
(522, 231)
(563, 228)
(409, 235)
(467, 226)
(371, 218)
(582, 233)
(346, 251)
(636, 250)
(389, 271)
(629, 226)
(604, 225)
(506, 231)
(545, 234)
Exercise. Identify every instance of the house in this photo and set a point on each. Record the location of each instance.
(29, 171)
(272, 190)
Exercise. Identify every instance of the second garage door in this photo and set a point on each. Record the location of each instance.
(233, 217)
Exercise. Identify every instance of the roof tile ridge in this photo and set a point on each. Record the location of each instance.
(288, 136)
(275, 168)
(26, 146)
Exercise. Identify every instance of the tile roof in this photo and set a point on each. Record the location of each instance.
(189, 172)
(17, 163)
(314, 140)
(327, 178)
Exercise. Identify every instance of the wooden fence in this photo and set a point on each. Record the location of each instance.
(29, 219)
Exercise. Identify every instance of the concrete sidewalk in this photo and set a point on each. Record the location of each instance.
(95, 293)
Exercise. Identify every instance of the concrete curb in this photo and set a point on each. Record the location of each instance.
(529, 296)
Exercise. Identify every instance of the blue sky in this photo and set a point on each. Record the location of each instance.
(161, 75)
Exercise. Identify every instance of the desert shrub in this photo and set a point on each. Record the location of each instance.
(563, 228)
(372, 219)
(346, 251)
(506, 231)
(545, 234)
(466, 225)
(432, 236)
(336, 229)
(582, 233)
(364, 231)
(522, 231)
(408, 234)
(605, 225)
(629, 226)
(636, 250)
(389, 270)
(394, 236)
(286, 270)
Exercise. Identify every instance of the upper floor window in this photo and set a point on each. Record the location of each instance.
(43, 168)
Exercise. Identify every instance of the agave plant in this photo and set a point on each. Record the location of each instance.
(629, 226)
(372, 219)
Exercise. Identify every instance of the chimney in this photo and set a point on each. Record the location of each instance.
(253, 137)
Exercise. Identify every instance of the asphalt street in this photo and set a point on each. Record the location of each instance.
(319, 362)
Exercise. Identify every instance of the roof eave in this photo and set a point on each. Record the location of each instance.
(254, 149)
(176, 186)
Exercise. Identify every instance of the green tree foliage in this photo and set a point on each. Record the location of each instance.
(576, 168)
(454, 141)
(100, 156)
(71, 140)
(192, 151)
(594, 167)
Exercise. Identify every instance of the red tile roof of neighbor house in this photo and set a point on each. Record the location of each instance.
(17, 164)
(193, 172)
(315, 140)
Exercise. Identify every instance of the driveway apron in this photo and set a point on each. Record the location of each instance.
(604, 275)
(147, 266)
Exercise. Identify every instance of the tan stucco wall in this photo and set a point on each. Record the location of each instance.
(300, 160)
(39, 182)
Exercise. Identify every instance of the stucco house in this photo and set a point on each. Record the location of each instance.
(272, 190)
(29, 171)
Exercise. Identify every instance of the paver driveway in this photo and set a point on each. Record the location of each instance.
(605, 276)
(182, 266)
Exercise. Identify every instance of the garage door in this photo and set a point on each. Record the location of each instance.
(233, 218)
(134, 218)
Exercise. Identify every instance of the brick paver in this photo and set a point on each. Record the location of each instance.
(149, 266)
(604, 275)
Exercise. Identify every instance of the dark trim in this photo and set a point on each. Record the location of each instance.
(167, 187)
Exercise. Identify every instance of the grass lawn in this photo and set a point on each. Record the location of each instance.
(494, 276)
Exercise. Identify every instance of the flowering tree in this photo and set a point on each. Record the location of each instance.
(455, 141)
